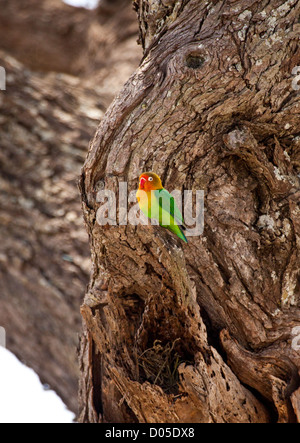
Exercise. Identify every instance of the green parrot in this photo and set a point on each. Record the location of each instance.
(157, 203)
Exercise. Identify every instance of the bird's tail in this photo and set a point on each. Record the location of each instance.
(177, 229)
(182, 236)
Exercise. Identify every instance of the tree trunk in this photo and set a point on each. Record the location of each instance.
(204, 332)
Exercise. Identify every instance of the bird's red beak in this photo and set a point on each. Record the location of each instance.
(142, 183)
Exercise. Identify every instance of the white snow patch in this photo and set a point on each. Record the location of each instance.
(88, 4)
(23, 398)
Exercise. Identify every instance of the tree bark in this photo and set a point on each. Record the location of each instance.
(200, 332)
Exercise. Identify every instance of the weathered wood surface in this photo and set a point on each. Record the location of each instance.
(211, 107)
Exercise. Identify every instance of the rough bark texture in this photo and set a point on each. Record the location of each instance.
(46, 123)
(200, 332)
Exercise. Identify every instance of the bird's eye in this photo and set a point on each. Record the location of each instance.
(150, 179)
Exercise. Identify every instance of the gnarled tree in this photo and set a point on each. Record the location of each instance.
(200, 332)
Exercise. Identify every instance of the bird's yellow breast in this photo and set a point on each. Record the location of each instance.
(144, 200)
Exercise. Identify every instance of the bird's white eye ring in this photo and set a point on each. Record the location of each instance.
(150, 179)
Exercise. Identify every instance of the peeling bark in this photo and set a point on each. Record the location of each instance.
(211, 107)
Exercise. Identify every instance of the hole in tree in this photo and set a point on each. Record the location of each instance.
(133, 307)
(97, 379)
(159, 364)
(194, 61)
(164, 343)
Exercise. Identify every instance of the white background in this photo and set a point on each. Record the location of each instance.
(23, 398)
(90, 4)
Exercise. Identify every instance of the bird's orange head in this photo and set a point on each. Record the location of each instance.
(150, 182)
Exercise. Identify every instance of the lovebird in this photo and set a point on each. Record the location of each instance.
(158, 204)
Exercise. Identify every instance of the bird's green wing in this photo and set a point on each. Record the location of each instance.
(168, 207)
(168, 214)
